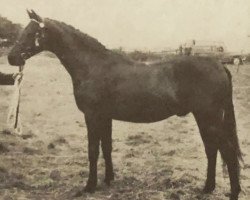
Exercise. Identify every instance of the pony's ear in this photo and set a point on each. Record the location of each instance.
(29, 13)
(34, 16)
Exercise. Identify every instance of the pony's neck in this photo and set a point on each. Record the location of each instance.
(76, 51)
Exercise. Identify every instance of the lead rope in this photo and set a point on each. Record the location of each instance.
(13, 119)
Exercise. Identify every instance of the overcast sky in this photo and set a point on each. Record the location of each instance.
(145, 24)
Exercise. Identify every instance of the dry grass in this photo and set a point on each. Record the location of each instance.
(158, 161)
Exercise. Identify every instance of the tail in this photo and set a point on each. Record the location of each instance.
(230, 122)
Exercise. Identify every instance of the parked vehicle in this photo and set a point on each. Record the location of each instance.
(211, 48)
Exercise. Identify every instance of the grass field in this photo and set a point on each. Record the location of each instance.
(157, 161)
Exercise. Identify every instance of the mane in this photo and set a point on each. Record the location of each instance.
(79, 37)
(84, 41)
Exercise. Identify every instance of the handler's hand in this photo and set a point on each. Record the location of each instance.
(18, 77)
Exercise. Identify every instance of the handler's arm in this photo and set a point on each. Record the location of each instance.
(6, 79)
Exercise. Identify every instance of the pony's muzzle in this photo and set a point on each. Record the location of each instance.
(16, 60)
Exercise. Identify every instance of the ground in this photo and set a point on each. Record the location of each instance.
(157, 161)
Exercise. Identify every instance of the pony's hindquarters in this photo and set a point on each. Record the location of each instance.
(218, 131)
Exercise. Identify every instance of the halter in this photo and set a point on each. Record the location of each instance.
(41, 24)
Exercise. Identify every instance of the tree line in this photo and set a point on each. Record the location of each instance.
(9, 32)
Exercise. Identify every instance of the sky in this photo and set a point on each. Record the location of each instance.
(145, 24)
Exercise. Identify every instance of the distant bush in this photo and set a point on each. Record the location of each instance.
(139, 55)
(247, 58)
(4, 51)
(143, 56)
(119, 51)
(9, 32)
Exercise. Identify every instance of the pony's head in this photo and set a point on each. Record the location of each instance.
(32, 40)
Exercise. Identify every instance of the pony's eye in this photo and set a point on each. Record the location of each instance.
(28, 48)
(29, 35)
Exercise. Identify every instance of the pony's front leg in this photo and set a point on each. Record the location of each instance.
(94, 126)
(106, 143)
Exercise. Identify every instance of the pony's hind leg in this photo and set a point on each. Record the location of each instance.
(218, 131)
(106, 143)
(229, 155)
(230, 150)
(208, 131)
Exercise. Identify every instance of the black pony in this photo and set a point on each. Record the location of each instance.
(110, 86)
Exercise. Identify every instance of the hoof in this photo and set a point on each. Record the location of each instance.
(109, 179)
(208, 189)
(90, 187)
(235, 193)
(233, 196)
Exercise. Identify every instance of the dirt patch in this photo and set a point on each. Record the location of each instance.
(138, 139)
(55, 175)
(31, 151)
(3, 148)
(28, 135)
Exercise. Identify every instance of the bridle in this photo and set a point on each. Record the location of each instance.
(28, 54)
(41, 24)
